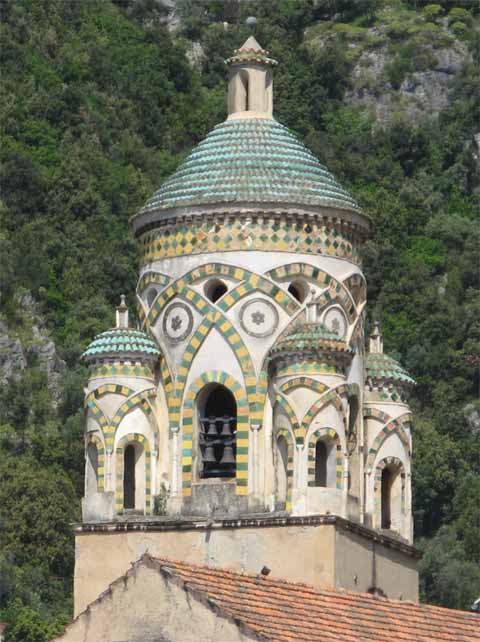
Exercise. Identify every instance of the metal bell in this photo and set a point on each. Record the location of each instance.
(227, 457)
(209, 455)
(212, 426)
(226, 426)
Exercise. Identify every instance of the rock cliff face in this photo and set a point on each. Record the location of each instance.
(420, 93)
(29, 344)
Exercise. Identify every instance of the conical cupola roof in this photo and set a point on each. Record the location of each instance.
(254, 160)
(251, 160)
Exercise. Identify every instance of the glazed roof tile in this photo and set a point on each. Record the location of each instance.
(308, 336)
(251, 160)
(282, 611)
(118, 341)
(383, 366)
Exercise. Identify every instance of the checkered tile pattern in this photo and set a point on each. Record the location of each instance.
(264, 234)
(122, 370)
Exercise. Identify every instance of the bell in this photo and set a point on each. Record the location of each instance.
(212, 426)
(209, 455)
(226, 426)
(227, 457)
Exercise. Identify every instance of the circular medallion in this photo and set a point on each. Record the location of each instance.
(177, 321)
(258, 317)
(335, 320)
(351, 442)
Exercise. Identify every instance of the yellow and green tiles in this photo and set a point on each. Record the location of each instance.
(282, 432)
(303, 382)
(94, 439)
(242, 435)
(325, 433)
(122, 370)
(132, 439)
(308, 367)
(264, 235)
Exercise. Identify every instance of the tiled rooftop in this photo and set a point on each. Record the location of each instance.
(285, 612)
(121, 341)
(382, 366)
(251, 160)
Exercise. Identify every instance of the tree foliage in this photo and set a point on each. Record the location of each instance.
(99, 107)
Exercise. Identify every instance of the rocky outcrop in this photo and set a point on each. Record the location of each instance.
(420, 93)
(29, 344)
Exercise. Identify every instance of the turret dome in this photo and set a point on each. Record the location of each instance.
(251, 160)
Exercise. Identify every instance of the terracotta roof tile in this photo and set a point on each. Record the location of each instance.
(284, 611)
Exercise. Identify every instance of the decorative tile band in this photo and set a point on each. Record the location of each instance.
(394, 426)
(336, 290)
(97, 442)
(110, 388)
(310, 367)
(122, 370)
(325, 434)
(282, 432)
(138, 400)
(303, 382)
(395, 464)
(241, 438)
(333, 397)
(133, 438)
(288, 410)
(271, 235)
(148, 278)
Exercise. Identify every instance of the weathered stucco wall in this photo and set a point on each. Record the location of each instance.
(145, 606)
(313, 553)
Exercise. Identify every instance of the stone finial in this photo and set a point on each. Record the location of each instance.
(376, 340)
(122, 313)
(250, 91)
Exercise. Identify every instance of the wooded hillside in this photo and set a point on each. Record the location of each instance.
(101, 100)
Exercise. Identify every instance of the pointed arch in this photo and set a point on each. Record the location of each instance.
(396, 464)
(336, 289)
(330, 397)
(289, 411)
(98, 414)
(395, 426)
(242, 436)
(94, 439)
(283, 432)
(223, 325)
(303, 382)
(138, 400)
(142, 441)
(319, 434)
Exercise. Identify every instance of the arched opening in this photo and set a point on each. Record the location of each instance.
(215, 289)
(386, 499)
(281, 473)
(217, 437)
(151, 296)
(244, 103)
(298, 289)
(129, 485)
(353, 414)
(92, 468)
(321, 457)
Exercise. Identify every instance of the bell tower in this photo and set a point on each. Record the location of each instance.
(242, 423)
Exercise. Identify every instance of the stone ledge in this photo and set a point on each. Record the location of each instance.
(162, 524)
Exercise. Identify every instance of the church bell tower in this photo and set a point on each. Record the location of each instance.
(243, 422)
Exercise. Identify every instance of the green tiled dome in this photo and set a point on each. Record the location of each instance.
(121, 342)
(309, 336)
(382, 366)
(251, 160)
